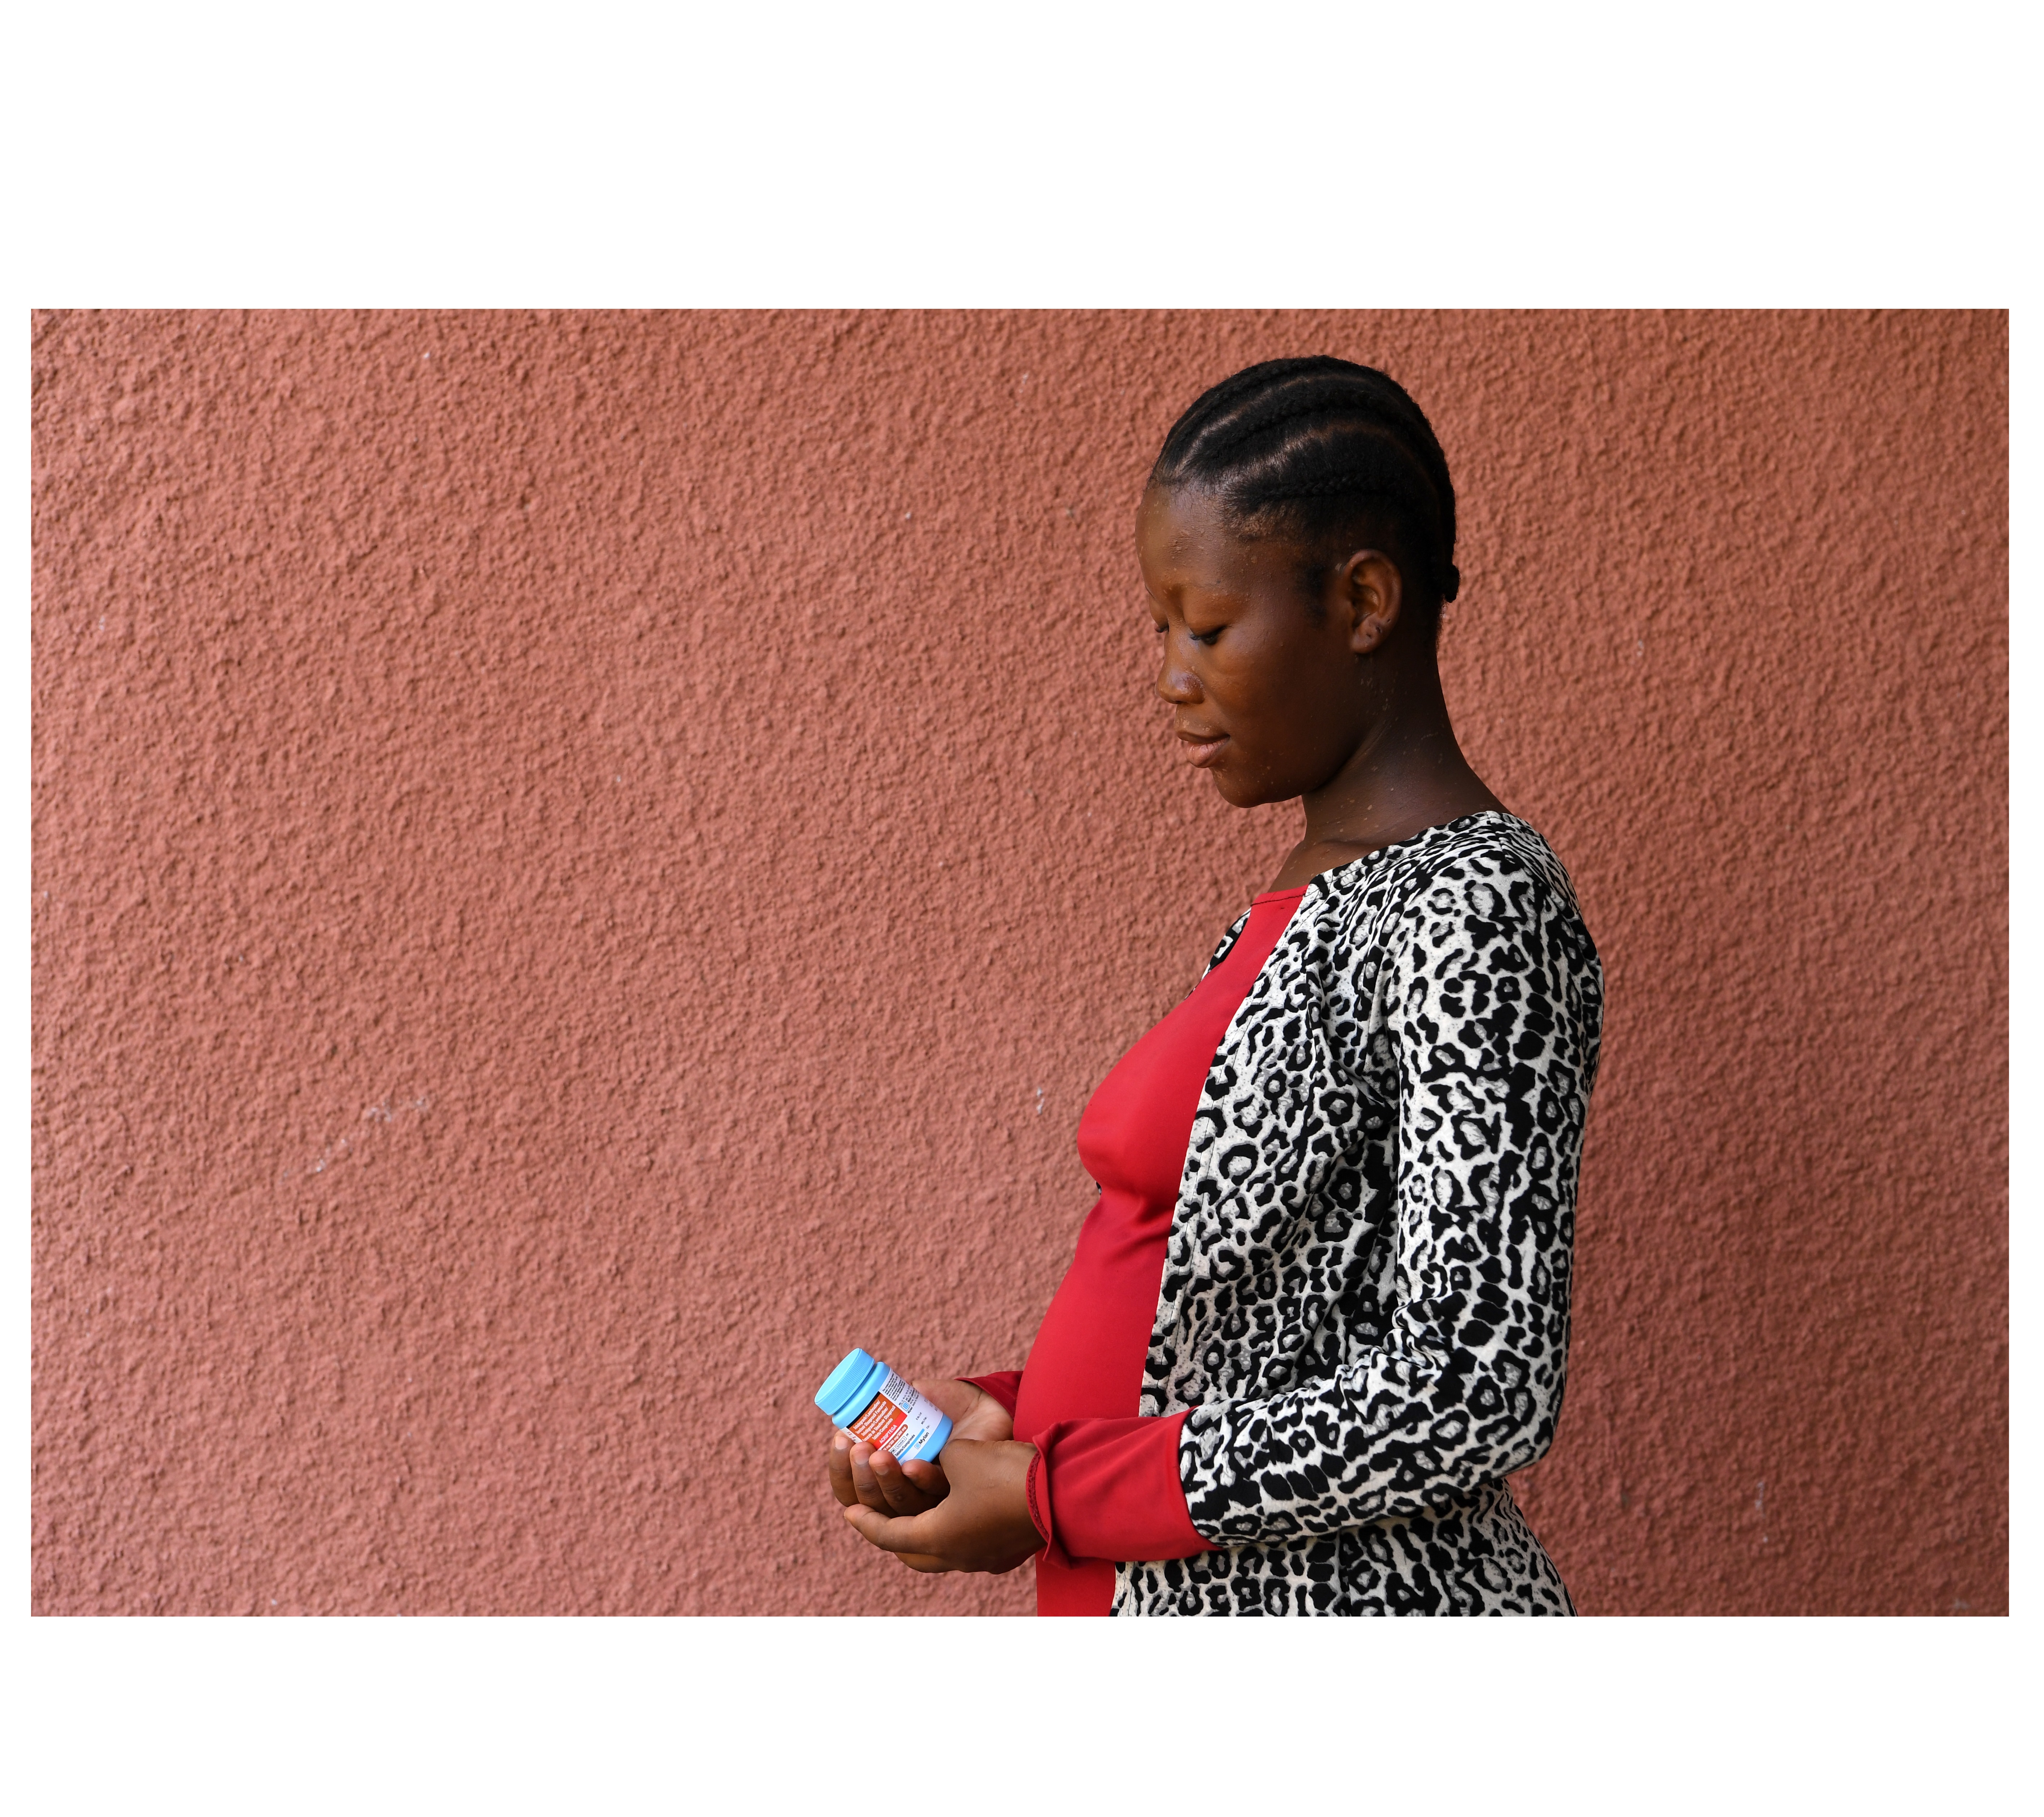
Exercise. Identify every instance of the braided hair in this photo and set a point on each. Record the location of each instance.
(1310, 448)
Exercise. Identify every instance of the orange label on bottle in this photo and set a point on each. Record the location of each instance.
(882, 1420)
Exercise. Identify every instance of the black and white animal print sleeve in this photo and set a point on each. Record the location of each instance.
(1483, 1028)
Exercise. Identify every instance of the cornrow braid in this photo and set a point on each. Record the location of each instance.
(1312, 438)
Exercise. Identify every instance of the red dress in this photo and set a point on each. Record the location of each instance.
(1104, 1486)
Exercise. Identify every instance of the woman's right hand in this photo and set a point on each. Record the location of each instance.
(861, 1475)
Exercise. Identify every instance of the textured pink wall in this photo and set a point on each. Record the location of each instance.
(584, 864)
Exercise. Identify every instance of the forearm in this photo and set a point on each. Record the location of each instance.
(1392, 1435)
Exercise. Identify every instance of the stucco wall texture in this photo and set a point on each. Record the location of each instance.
(584, 864)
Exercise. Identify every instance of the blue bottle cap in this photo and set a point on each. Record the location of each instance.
(850, 1385)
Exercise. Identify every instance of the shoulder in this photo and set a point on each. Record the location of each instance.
(1475, 879)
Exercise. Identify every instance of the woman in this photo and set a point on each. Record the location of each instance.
(1320, 1310)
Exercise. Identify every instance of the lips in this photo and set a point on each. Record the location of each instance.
(1203, 752)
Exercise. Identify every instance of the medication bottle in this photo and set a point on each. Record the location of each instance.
(871, 1402)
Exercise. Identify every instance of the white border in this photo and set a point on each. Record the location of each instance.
(1660, 1716)
(1075, 152)
(1193, 155)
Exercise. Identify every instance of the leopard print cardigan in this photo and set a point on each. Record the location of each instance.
(1364, 1299)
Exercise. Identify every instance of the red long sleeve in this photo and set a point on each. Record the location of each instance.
(1119, 1480)
(1109, 1489)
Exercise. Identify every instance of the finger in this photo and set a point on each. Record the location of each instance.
(870, 1494)
(840, 1469)
(928, 1476)
(881, 1486)
(903, 1494)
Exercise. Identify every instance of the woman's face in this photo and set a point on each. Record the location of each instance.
(1267, 695)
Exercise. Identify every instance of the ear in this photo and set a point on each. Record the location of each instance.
(1370, 594)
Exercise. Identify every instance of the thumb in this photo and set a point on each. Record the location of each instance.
(891, 1533)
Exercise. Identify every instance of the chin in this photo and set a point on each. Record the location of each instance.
(1240, 792)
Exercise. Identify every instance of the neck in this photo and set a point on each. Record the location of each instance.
(1408, 774)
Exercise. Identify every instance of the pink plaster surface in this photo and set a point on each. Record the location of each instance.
(584, 865)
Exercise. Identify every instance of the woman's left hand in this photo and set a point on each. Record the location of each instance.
(983, 1525)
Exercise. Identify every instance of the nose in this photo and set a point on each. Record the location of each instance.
(1175, 680)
